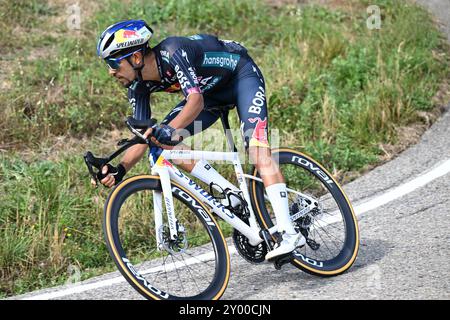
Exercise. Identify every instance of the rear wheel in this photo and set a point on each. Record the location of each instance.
(320, 210)
(196, 265)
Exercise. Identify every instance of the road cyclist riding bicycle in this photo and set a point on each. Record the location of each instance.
(211, 73)
(161, 229)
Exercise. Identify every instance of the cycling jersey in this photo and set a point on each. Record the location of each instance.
(221, 70)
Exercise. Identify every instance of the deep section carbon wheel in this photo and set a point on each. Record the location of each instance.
(320, 210)
(195, 265)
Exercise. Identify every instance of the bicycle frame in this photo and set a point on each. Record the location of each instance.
(160, 166)
(171, 236)
(168, 171)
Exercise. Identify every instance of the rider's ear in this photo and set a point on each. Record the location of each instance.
(137, 58)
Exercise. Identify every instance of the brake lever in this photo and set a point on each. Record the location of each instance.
(90, 169)
(140, 135)
(136, 132)
(91, 162)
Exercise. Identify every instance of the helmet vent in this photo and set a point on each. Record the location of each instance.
(109, 41)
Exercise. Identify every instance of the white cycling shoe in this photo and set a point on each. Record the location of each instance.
(289, 243)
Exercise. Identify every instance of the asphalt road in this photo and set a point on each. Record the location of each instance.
(405, 243)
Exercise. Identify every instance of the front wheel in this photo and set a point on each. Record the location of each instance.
(320, 210)
(195, 265)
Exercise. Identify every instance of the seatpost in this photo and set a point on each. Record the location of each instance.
(226, 128)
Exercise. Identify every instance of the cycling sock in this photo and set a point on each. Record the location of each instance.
(278, 198)
(203, 171)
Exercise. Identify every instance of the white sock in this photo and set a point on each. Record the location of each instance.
(278, 198)
(203, 171)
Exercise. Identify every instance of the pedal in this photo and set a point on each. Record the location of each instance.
(280, 261)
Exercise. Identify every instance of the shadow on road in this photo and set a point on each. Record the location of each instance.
(264, 278)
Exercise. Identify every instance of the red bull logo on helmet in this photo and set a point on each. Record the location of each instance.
(125, 35)
(130, 34)
(259, 135)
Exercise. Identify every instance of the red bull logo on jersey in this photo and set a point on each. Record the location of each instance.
(173, 88)
(259, 135)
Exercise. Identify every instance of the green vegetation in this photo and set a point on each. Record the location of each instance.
(334, 87)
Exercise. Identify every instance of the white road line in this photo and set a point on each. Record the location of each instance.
(393, 194)
(374, 203)
(405, 188)
(78, 288)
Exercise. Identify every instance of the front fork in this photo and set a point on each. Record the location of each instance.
(158, 207)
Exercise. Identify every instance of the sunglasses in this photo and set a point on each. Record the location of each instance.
(114, 63)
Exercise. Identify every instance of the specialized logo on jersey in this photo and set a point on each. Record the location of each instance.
(184, 55)
(259, 135)
(221, 60)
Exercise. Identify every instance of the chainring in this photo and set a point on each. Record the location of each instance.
(252, 254)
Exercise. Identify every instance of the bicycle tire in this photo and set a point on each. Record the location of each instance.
(348, 253)
(112, 210)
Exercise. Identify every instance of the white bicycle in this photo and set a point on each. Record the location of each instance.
(162, 233)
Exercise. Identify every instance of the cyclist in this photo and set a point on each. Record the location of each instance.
(209, 72)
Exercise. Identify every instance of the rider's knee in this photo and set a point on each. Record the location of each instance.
(260, 156)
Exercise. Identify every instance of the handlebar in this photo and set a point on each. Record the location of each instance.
(134, 126)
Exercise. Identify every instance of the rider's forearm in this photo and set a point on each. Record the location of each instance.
(133, 155)
(189, 113)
